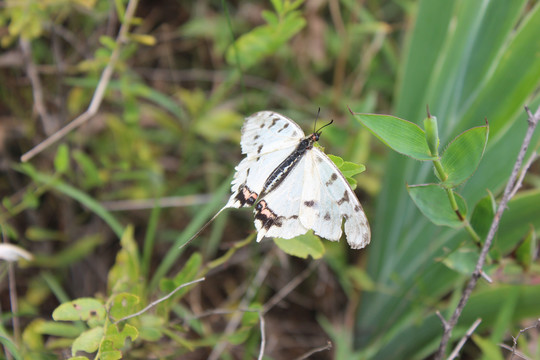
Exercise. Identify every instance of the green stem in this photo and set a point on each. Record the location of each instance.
(440, 170)
(464, 220)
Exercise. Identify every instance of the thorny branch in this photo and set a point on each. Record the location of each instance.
(448, 326)
(98, 94)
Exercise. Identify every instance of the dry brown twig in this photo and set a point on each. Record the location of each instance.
(448, 326)
(99, 93)
(514, 347)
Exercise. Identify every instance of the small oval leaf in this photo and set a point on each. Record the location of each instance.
(401, 135)
(302, 246)
(80, 309)
(463, 154)
(433, 202)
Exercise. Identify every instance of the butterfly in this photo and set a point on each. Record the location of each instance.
(292, 185)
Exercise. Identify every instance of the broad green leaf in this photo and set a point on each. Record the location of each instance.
(463, 260)
(433, 202)
(118, 337)
(401, 135)
(108, 351)
(463, 154)
(123, 304)
(482, 215)
(336, 160)
(302, 246)
(85, 309)
(88, 341)
(61, 160)
(263, 41)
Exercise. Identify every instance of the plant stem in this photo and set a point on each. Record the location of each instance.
(508, 191)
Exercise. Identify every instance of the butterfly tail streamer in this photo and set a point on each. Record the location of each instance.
(203, 227)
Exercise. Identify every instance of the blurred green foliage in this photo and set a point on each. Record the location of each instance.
(168, 132)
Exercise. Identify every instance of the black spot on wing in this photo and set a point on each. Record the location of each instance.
(284, 127)
(274, 121)
(259, 149)
(357, 208)
(327, 216)
(344, 199)
(332, 179)
(255, 137)
(309, 203)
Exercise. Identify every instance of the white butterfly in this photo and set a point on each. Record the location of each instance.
(293, 185)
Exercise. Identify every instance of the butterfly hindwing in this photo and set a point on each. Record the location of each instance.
(277, 213)
(337, 201)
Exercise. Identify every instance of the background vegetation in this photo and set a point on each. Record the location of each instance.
(105, 209)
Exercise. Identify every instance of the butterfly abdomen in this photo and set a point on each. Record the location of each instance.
(280, 173)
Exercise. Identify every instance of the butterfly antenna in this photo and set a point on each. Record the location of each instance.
(322, 127)
(315, 125)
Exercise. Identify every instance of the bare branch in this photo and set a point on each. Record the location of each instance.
(514, 347)
(37, 90)
(99, 92)
(515, 352)
(237, 317)
(532, 121)
(263, 336)
(154, 303)
(327, 347)
(464, 339)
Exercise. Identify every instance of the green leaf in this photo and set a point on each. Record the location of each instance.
(490, 350)
(124, 275)
(11, 347)
(187, 274)
(123, 304)
(302, 246)
(61, 160)
(462, 156)
(88, 341)
(91, 176)
(463, 260)
(401, 135)
(85, 309)
(526, 251)
(433, 202)
(482, 215)
(117, 337)
(264, 41)
(348, 169)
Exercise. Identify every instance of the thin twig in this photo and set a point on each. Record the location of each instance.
(448, 326)
(289, 287)
(526, 167)
(99, 92)
(515, 352)
(327, 347)
(237, 317)
(37, 90)
(514, 347)
(464, 339)
(14, 302)
(154, 303)
(263, 336)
